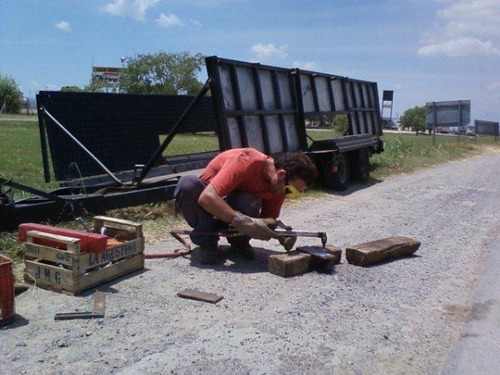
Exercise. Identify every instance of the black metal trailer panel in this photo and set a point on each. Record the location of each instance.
(121, 130)
(327, 94)
(256, 106)
(265, 107)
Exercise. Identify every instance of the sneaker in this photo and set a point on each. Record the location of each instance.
(246, 251)
(208, 254)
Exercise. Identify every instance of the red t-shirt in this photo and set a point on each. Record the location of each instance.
(242, 169)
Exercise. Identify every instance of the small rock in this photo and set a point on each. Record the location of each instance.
(21, 344)
(62, 343)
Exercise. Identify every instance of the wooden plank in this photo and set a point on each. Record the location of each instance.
(47, 275)
(289, 264)
(381, 250)
(35, 251)
(118, 228)
(99, 303)
(73, 244)
(110, 272)
(200, 296)
(112, 254)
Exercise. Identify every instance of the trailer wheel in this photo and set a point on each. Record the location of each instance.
(362, 165)
(336, 175)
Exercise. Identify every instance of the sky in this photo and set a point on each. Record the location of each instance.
(424, 50)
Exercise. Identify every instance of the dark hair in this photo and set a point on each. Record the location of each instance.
(297, 165)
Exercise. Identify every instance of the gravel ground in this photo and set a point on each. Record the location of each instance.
(400, 317)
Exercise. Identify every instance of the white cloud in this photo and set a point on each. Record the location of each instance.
(195, 22)
(168, 20)
(263, 52)
(493, 86)
(460, 47)
(467, 18)
(63, 26)
(471, 28)
(308, 65)
(135, 9)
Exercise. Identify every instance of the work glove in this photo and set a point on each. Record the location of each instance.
(253, 227)
(287, 242)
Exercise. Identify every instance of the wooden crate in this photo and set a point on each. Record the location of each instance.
(71, 271)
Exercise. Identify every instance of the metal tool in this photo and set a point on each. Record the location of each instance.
(80, 221)
(232, 233)
(97, 312)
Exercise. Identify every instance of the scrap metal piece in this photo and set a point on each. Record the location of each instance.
(98, 311)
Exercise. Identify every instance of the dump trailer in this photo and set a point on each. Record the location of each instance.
(108, 150)
(267, 107)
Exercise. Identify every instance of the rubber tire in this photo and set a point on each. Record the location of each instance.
(339, 180)
(362, 165)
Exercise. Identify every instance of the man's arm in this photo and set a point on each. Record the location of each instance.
(213, 203)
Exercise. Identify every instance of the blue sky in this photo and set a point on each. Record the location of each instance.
(424, 50)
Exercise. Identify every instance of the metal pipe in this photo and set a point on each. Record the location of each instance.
(44, 110)
(40, 193)
(233, 233)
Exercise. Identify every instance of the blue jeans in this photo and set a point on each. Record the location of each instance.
(186, 196)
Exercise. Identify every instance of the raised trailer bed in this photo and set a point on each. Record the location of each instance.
(105, 148)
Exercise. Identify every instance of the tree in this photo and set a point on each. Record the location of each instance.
(162, 73)
(10, 95)
(71, 89)
(413, 118)
(340, 124)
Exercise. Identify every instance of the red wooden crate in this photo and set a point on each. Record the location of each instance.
(7, 310)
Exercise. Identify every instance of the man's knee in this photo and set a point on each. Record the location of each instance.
(188, 187)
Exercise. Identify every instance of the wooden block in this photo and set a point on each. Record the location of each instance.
(289, 264)
(381, 250)
(322, 259)
(199, 296)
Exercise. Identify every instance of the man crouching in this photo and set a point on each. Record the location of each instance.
(243, 188)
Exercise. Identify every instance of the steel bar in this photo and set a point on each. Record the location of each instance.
(68, 133)
(31, 190)
(232, 233)
(173, 132)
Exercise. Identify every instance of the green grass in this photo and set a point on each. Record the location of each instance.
(20, 159)
(407, 152)
(189, 143)
(20, 155)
